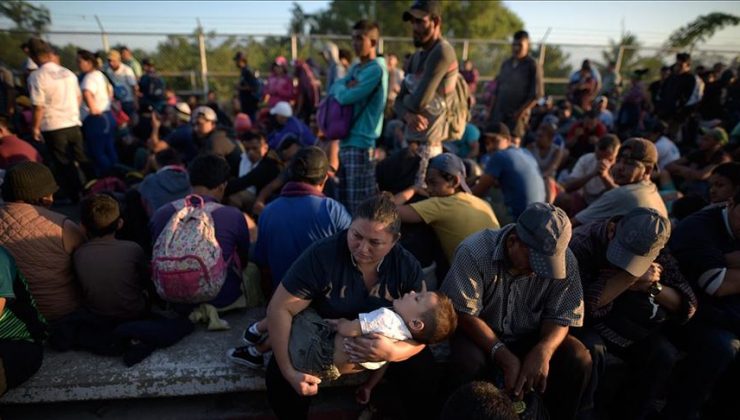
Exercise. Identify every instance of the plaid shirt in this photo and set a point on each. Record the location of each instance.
(479, 284)
(589, 244)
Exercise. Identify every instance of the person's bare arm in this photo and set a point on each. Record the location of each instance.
(38, 115)
(379, 348)
(485, 182)
(90, 102)
(280, 312)
(536, 366)
(265, 193)
(408, 214)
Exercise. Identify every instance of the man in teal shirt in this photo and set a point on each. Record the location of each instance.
(365, 87)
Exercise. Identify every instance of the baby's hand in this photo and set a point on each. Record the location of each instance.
(363, 393)
(333, 323)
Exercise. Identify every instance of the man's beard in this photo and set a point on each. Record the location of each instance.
(421, 38)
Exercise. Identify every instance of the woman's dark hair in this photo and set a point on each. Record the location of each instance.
(208, 171)
(88, 56)
(380, 209)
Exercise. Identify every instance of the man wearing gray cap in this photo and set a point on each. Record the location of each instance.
(517, 292)
(635, 163)
(632, 287)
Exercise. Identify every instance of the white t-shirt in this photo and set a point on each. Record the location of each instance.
(386, 322)
(585, 165)
(95, 83)
(124, 80)
(667, 152)
(56, 89)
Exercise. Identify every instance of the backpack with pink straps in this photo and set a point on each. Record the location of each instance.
(187, 260)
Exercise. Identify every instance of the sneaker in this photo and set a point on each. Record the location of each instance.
(243, 356)
(251, 338)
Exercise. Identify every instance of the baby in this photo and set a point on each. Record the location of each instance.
(316, 344)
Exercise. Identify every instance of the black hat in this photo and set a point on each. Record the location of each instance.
(147, 62)
(421, 8)
(28, 181)
(500, 129)
(239, 56)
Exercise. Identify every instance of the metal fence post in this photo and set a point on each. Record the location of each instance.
(294, 46)
(466, 48)
(381, 45)
(541, 60)
(106, 45)
(203, 62)
(620, 56)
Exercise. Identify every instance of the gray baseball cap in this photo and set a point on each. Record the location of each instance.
(546, 231)
(639, 237)
(451, 164)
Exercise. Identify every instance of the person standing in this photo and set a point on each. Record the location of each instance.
(125, 85)
(519, 85)
(431, 77)
(248, 87)
(366, 88)
(98, 124)
(56, 98)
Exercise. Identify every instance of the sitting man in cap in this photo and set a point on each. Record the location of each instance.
(40, 240)
(635, 163)
(262, 166)
(286, 124)
(632, 287)
(707, 246)
(452, 211)
(517, 292)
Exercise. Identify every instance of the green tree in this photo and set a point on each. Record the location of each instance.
(630, 56)
(26, 16)
(460, 19)
(701, 29)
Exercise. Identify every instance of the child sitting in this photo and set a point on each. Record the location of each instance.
(316, 345)
(112, 273)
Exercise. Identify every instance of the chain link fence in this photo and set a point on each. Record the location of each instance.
(195, 63)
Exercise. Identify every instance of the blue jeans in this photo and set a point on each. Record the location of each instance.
(99, 132)
(711, 352)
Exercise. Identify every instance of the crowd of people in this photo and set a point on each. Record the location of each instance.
(533, 236)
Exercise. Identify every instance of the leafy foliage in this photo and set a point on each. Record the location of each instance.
(26, 16)
(701, 29)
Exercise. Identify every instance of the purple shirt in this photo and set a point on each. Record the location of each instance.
(232, 234)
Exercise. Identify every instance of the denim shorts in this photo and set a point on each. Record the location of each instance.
(311, 346)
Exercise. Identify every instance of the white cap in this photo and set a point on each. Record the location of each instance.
(183, 108)
(206, 112)
(283, 109)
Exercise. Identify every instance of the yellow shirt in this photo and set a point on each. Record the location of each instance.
(456, 217)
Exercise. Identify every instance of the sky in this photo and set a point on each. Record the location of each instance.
(576, 22)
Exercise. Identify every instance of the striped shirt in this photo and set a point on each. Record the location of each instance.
(14, 288)
(480, 285)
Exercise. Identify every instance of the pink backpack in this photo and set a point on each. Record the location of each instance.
(187, 261)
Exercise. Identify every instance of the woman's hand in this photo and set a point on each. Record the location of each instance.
(369, 348)
(303, 383)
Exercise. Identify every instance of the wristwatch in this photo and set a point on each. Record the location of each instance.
(655, 289)
(496, 347)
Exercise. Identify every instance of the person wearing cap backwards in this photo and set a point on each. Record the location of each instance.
(207, 139)
(707, 247)
(430, 80)
(248, 87)
(696, 167)
(287, 124)
(632, 288)
(40, 240)
(124, 83)
(365, 87)
(631, 172)
(56, 98)
(517, 292)
(452, 211)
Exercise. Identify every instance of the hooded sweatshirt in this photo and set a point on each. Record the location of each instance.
(168, 184)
